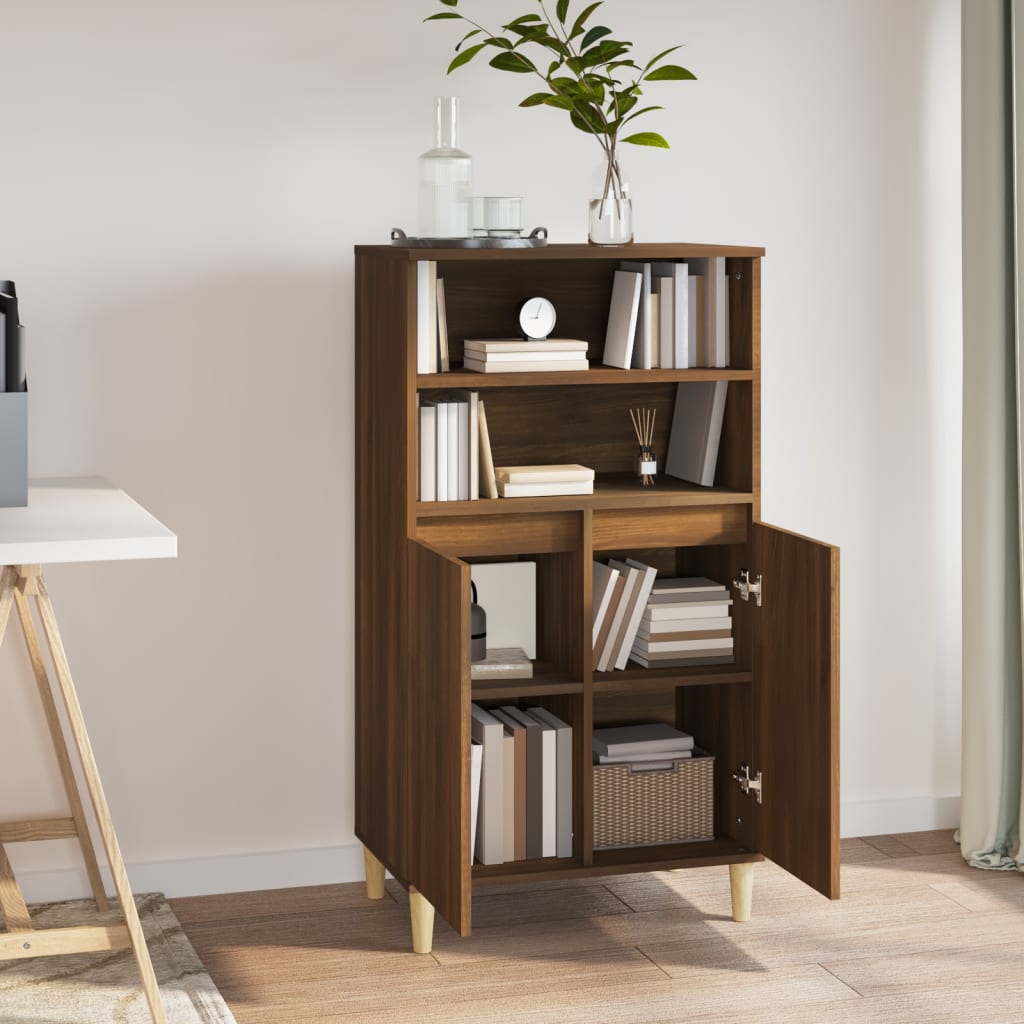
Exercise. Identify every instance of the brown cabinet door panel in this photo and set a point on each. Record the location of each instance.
(796, 683)
(437, 834)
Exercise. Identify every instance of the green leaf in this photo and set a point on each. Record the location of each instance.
(669, 72)
(523, 19)
(637, 113)
(646, 139)
(512, 62)
(465, 57)
(664, 53)
(468, 35)
(582, 19)
(450, 3)
(593, 35)
(499, 41)
(561, 10)
(443, 15)
(536, 99)
(561, 102)
(586, 114)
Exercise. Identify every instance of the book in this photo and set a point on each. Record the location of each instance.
(686, 585)
(508, 593)
(675, 278)
(469, 444)
(622, 316)
(542, 474)
(709, 649)
(695, 319)
(502, 663)
(488, 485)
(654, 315)
(609, 651)
(426, 316)
(490, 346)
(664, 291)
(489, 732)
(693, 662)
(643, 633)
(507, 490)
(511, 360)
(696, 431)
(524, 366)
(659, 646)
(428, 450)
(720, 352)
(444, 362)
(476, 766)
(534, 780)
(549, 788)
(668, 615)
(441, 460)
(563, 779)
(638, 602)
(456, 425)
(618, 584)
(508, 796)
(641, 758)
(604, 577)
(646, 738)
(518, 732)
(642, 344)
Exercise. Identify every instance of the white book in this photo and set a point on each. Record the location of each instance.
(654, 646)
(428, 450)
(543, 474)
(444, 363)
(652, 629)
(469, 444)
(603, 588)
(643, 341)
(684, 597)
(549, 788)
(534, 780)
(696, 431)
(524, 366)
(508, 762)
(481, 347)
(488, 485)
(647, 576)
(648, 738)
(476, 767)
(441, 462)
(664, 291)
(720, 353)
(426, 316)
(654, 315)
(463, 467)
(684, 661)
(509, 360)
(622, 316)
(604, 661)
(678, 274)
(563, 779)
(683, 612)
(507, 490)
(488, 731)
(687, 585)
(454, 460)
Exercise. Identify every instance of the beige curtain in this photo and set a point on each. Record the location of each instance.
(993, 236)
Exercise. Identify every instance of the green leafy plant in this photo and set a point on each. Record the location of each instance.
(586, 72)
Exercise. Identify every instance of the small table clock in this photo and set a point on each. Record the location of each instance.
(537, 318)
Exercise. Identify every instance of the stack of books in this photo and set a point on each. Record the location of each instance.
(540, 481)
(522, 784)
(685, 622)
(513, 355)
(653, 746)
(449, 446)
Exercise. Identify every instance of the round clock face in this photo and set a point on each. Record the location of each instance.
(537, 318)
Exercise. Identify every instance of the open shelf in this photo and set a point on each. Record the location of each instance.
(597, 374)
(634, 679)
(543, 684)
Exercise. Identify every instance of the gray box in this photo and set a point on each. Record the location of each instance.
(13, 449)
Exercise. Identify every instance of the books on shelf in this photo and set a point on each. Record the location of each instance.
(603, 589)
(643, 339)
(443, 355)
(486, 730)
(509, 355)
(686, 622)
(562, 779)
(449, 447)
(426, 317)
(672, 282)
(696, 431)
(715, 350)
(516, 729)
(488, 484)
(625, 741)
(539, 481)
(622, 319)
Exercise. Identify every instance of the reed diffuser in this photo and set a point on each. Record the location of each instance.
(646, 463)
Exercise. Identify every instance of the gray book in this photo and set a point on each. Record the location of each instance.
(655, 737)
(563, 779)
(534, 780)
(696, 431)
(490, 839)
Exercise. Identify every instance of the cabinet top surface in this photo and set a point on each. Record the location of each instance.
(635, 250)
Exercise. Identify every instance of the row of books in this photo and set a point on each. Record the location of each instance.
(521, 791)
(449, 446)
(686, 622)
(647, 747)
(538, 481)
(431, 320)
(511, 355)
(669, 315)
(656, 622)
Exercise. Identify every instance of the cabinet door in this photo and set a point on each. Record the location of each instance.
(796, 686)
(437, 833)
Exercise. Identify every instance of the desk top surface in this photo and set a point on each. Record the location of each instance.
(81, 519)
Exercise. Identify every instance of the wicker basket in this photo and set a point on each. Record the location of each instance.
(638, 808)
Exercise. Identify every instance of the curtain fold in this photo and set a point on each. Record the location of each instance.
(993, 249)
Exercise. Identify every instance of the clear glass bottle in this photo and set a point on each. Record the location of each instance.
(446, 179)
(611, 213)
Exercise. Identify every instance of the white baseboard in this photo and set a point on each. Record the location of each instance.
(282, 869)
(911, 814)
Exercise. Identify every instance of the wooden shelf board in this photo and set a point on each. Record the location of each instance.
(577, 251)
(597, 374)
(547, 680)
(612, 490)
(638, 680)
(618, 862)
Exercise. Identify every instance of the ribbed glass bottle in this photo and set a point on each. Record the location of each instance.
(445, 179)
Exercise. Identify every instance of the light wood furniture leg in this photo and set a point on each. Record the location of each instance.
(741, 883)
(421, 913)
(374, 876)
(29, 583)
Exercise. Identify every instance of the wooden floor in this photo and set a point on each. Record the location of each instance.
(918, 937)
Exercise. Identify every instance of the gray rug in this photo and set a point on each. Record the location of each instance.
(104, 988)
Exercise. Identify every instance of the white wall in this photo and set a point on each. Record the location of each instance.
(182, 187)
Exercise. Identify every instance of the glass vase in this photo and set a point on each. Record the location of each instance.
(611, 209)
(445, 179)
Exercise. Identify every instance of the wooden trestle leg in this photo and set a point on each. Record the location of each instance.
(21, 583)
(741, 883)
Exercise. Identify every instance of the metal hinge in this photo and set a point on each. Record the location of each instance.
(744, 585)
(748, 784)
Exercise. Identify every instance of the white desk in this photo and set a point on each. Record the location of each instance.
(74, 520)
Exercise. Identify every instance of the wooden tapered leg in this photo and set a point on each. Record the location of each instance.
(422, 915)
(741, 883)
(12, 903)
(374, 876)
(80, 737)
